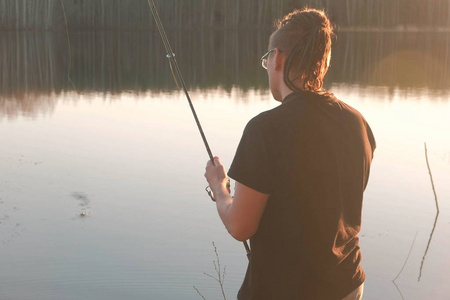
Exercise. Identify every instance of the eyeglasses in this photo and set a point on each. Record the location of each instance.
(265, 57)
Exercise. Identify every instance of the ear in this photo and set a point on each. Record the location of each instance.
(279, 60)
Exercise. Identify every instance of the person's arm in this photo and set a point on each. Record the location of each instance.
(240, 214)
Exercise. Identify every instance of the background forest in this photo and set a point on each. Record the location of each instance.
(112, 45)
(133, 15)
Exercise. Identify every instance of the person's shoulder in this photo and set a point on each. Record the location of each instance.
(344, 105)
(350, 110)
(265, 116)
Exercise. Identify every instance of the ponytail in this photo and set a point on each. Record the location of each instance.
(305, 37)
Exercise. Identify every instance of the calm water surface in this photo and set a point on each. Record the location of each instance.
(102, 193)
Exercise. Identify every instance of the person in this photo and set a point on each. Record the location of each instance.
(300, 171)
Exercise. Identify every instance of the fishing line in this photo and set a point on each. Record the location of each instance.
(176, 73)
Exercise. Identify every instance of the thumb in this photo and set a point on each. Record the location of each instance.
(217, 161)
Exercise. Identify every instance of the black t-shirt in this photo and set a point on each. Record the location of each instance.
(312, 154)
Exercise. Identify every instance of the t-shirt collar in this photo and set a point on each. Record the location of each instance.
(292, 96)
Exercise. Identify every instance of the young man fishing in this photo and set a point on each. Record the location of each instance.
(300, 171)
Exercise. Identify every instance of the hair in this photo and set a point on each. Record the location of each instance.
(305, 38)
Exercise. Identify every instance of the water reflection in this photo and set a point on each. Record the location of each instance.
(437, 213)
(134, 163)
(36, 65)
(406, 60)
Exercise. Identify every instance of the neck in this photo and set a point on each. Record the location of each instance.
(285, 91)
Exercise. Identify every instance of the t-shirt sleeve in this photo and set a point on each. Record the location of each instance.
(251, 165)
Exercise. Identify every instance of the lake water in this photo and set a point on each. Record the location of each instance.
(102, 188)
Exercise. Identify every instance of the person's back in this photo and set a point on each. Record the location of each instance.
(312, 155)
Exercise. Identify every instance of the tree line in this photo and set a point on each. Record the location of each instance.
(110, 63)
(113, 63)
(133, 15)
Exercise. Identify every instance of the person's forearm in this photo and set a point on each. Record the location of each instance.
(229, 216)
(224, 203)
(240, 214)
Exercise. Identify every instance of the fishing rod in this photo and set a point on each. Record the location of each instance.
(176, 73)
